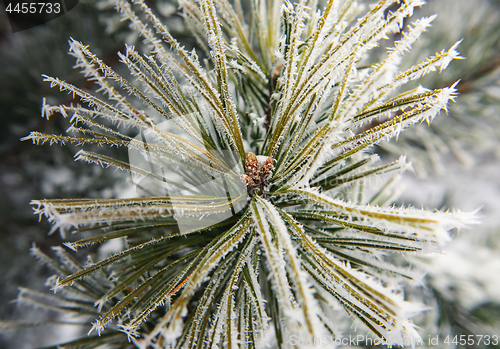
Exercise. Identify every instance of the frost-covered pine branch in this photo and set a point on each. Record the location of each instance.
(239, 237)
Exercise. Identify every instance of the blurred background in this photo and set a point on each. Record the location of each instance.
(456, 160)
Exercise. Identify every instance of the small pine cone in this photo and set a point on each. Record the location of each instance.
(266, 168)
(247, 180)
(252, 166)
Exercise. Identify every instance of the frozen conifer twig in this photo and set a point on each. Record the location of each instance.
(238, 161)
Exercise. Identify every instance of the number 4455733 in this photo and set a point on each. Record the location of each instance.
(472, 339)
(34, 7)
